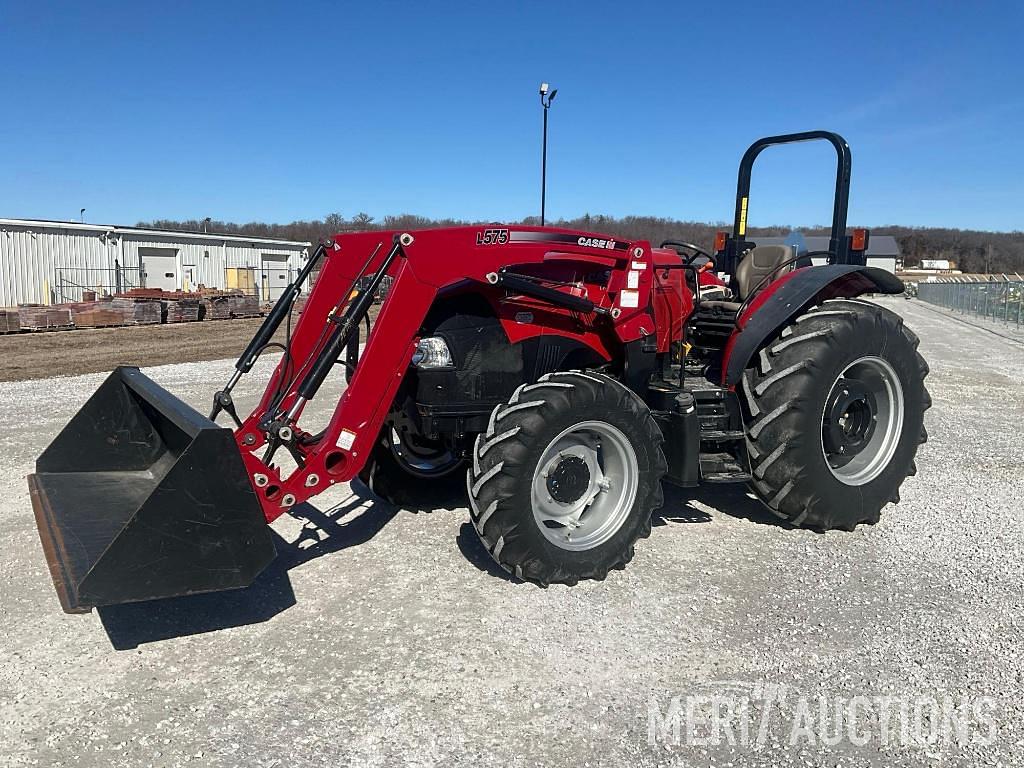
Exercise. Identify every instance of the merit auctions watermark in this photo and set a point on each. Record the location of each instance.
(754, 716)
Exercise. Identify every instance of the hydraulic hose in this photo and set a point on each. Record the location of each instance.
(345, 326)
(277, 315)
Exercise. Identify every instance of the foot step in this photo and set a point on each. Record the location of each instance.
(722, 468)
(721, 435)
(726, 477)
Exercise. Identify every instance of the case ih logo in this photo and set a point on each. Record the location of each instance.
(566, 238)
(596, 242)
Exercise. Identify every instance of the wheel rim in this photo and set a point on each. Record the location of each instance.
(862, 421)
(584, 485)
(425, 462)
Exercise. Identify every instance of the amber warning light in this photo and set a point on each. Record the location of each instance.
(859, 241)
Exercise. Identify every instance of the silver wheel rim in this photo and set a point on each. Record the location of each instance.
(876, 381)
(424, 464)
(602, 506)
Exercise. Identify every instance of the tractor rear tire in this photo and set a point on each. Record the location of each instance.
(835, 408)
(565, 479)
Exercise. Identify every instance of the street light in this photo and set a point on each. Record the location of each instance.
(81, 215)
(545, 101)
(205, 222)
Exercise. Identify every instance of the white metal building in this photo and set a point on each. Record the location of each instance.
(46, 262)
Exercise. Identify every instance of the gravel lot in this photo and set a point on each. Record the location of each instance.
(382, 637)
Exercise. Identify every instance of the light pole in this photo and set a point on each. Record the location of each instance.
(205, 222)
(81, 216)
(545, 101)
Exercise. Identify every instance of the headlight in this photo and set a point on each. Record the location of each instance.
(432, 352)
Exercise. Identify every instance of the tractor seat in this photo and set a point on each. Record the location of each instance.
(758, 263)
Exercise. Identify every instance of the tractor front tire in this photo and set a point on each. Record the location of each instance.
(565, 479)
(834, 408)
(414, 483)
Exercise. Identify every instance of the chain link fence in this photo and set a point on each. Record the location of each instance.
(998, 300)
(71, 284)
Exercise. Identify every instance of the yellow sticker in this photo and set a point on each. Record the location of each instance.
(743, 216)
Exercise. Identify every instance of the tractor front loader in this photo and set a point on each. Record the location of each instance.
(554, 379)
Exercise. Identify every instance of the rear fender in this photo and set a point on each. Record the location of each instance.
(790, 296)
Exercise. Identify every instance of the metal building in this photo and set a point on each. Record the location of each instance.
(47, 262)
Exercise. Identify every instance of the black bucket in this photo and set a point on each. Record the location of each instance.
(141, 497)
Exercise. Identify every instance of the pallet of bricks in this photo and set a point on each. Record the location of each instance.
(183, 310)
(95, 314)
(174, 306)
(39, 317)
(221, 305)
(9, 320)
(138, 312)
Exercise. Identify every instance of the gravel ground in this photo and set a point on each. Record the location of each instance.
(383, 637)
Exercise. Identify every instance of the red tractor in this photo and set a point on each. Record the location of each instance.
(555, 378)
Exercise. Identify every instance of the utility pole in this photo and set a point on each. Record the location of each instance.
(545, 102)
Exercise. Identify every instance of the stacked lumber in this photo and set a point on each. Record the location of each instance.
(37, 317)
(9, 322)
(137, 312)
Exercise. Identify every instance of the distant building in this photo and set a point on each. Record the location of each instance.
(883, 250)
(46, 262)
(928, 271)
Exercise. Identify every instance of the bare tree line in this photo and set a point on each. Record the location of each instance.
(971, 250)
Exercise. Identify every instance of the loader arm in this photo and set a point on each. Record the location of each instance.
(423, 264)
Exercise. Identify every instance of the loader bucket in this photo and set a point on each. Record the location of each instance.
(141, 497)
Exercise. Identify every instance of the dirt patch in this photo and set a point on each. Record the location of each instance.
(40, 355)
(91, 350)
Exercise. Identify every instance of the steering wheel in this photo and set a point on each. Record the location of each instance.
(697, 251)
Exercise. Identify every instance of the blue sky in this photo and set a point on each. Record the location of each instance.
(278, 111)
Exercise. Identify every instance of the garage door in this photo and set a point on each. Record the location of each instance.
(159, 268)
(275, 276)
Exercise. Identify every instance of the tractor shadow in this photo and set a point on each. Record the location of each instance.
(682, 506)
(336, 529)
(326, 532)
(687, 505)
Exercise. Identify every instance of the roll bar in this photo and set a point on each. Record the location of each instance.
(839, 244)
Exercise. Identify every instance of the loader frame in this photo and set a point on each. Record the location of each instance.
(494, 261)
